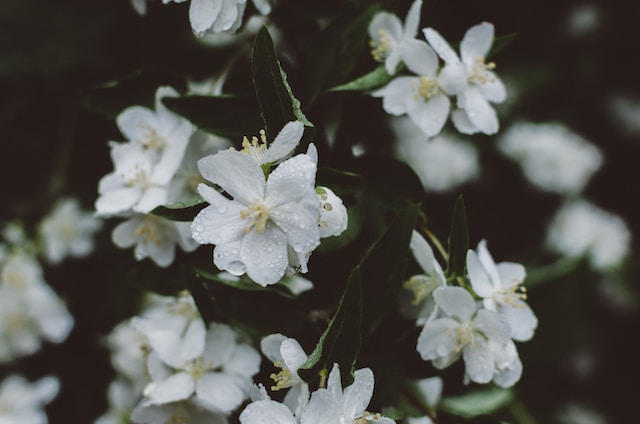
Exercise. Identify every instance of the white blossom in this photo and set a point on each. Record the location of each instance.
(333, 214)
(479, 85)
(580, 228)
(423, 96)
(176, 412)
(388, 35)
(122, 398)
(465, 331)
(23, 402)
(500, 287)
(442, 163)
(281, 147)
(431, 391)
(266, 216)
(67, 231)
(552, 157)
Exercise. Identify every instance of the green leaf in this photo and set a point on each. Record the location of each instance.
(383, 267)
(500, 43)
(225, 116)
(244, 284)
(340, 181)
(374, 79)
(181, 211)
(277, 103)
(458, 240)
(481, 402)
(340, 342)
(335, 51)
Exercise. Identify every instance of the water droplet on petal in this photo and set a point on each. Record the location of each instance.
(222, 209)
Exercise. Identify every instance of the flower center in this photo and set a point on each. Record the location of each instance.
(464, 335)
(283, 379)
(258, 215)
(427, 88)
(137, 177)
(481, 71)
(421, 286)
(254, 147)
(152, 140)
(512, 296)
(148, 232)
(197, 367)
(380, 47)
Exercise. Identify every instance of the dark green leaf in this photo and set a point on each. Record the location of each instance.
(340, 181)
(336, 50)
(458, 240)
(374, 79)
(501, 42)
(340, 343)
(181, 211)
(244, 284)
(481, 402)
(226, 116)
(277, 103)
(383, 267)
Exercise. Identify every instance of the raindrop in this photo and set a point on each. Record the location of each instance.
(222, 209)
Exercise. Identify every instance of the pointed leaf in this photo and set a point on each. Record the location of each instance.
(277, 103)
(225, 116)
(458, 240)
(374, 79)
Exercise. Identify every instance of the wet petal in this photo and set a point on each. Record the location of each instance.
(265, 255)
(476, 42)
(237, 173)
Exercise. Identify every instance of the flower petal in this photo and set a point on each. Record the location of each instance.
(356, 397)
(227, 257)
(419, 58)
(299, 226)
(219, 223)
(440, 45)
(290, 181)
(265, 255)
(270, 346)
(245, 361)
(478, 276)
(284, 143)
(462, 123)
(174, 388)
(237, 173)
(455, 301)
(479, 111)
(478, 361)
(476, 42)
(412, 20)
(220, 391)
(436, 340)
(431, 115)
(202, 14)
(396, 94)
(266, 412)
(220, 344)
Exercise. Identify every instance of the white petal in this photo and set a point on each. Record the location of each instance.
(123, 234)
(270, 346)
(384, 22)
(151, 198)
(419, 58)
(488, 263)
(265, 255)
(237, 173)
(220, 391)
(245, 361)
(227, 257)
(431, 115)
(202, 14)
(493, 325)
(479, 111)
(478, 276)
(494, 89)
(266, 412)
(440, 45)
(522, 321)
(116, 201)
(135, 122)
(292, 354)
(230, 14)
(176, 387)
(219, 223)
(452, 79)
(284, 143)
(510, 375)
(510, 274)
(476, 42)
(358, 394)
(397, 94)
(290, 181)
(455, 301)
(422, 252)
(263, 6)
(220, 344)
(436, 339)
(299, 226)
(462, 123)
(478, 361)
(412, 20)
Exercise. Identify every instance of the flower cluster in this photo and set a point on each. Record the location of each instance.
(480, 324)
(424, 95)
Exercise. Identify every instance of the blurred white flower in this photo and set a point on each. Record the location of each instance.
(580, 228)
(129, 350)
(442, 163)
(23, 402)
(479, 85)
(121, 397)
(153, 237)
(431, 391)
(626, 111)
(465, 330)
(388, 35)
(177, 412)
(501, 290)
(67, 231)
(253, 231)
(552, 157)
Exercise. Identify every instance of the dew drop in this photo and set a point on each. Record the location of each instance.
(222, 209)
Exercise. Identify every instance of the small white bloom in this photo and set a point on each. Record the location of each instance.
(129, 349)
(177, 412)
(67, 231)
(153, 237)
(122, 398)
(442, 163)
(478, 86)
(333, 214)
(552, 157)
(23, 402)
(500, 287)
(422, 96)
(388, 35)
(281, 147)
(416, 301)
(431, 390)
(466, 331)
(287, 354)
(580, 228)
(253, 231)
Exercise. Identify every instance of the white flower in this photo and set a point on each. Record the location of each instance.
(388, 35)
(178, 412)
(129, 349)
(422, 97)
(416, 301)
(287, 354)
(23, 402)
(252, 231)
(500, 287)
(333, 214)
(67, 230)
(153, 237)
(442, 163)
(552, 157)
(145, 165)
(580, 228)
(218, 16)
(466, 331)
(479, 86)
(431, 390)
(281, 147)
(122, 398)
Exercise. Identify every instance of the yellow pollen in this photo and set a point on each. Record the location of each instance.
(258, 213)
(148, 232)
(421, 286)
(152, 140)
(480, 71)
(464, 335)
(254, 147)
(427, 89)
(512, 296)
(380, 47)
(197, 367)
(183, 308)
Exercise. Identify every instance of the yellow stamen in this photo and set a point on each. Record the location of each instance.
(480, 71)
(258, 214)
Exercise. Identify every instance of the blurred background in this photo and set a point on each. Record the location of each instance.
(568, 63)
